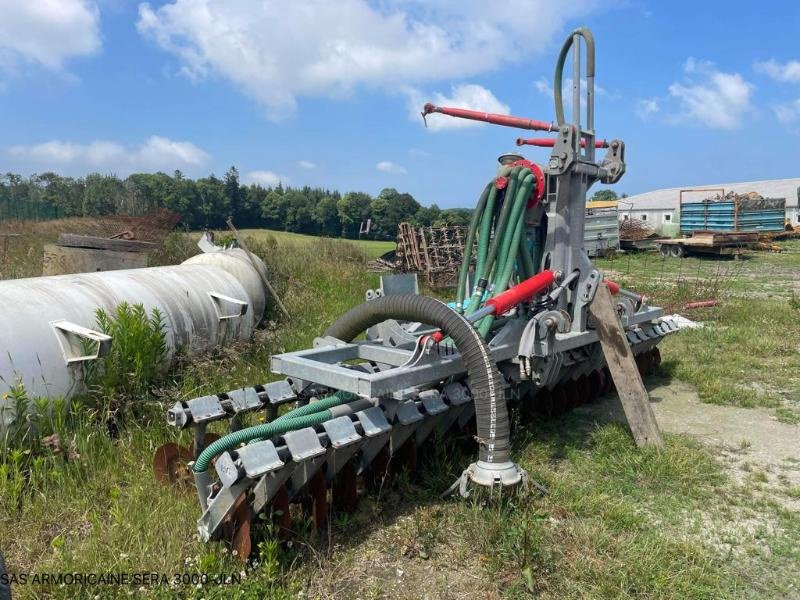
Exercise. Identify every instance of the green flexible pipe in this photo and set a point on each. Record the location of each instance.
(485, 230)
(517, 214)
(486, 224)
(473, 227)
(528, 270)
(307, 415)
(311, 408)
(510, 246)
(501, 222)
(486, 322)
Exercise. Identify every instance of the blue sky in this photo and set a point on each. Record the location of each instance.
(324, 93)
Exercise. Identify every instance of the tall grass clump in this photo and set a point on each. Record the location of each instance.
(138, 352)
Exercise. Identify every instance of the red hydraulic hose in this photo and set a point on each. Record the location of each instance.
(475, 115)
(550, 142)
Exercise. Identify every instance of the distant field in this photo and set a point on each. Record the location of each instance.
(372, 248)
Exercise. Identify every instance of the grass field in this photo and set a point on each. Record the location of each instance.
(617, 522)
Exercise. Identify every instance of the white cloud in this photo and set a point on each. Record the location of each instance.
(647, 107)
(788, 72)
(47, 32)
(788, 113)
(306, 164)
(471, 96)
(156, 154)
(388, 166)
(710, 97)
(418, 153)
(276, 51)
(265, 178)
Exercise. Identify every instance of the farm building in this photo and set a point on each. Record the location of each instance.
(659, 208)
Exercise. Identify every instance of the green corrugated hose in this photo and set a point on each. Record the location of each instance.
(473, 227)
(310, 414)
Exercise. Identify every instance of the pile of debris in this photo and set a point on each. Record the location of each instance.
(635, 234)
(107, 244)
(734, 196)
(634, 230)
(152, 227)
(751, 201)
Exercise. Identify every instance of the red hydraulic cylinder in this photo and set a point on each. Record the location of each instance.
(476, 115)
(550, 142)
(522, 291)
(503, 302)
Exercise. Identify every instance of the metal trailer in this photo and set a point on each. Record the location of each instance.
(525, 340)
(729, 243)
(739, 213)
(601, 229)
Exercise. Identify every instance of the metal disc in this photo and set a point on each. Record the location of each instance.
(595, 382)
(656, 356)
(241, 540)
(280, 513)
(544, 402)
(318, 499)
(583, 389)
(169, 464)
(571, 392)
(345, 488)
(559, 400)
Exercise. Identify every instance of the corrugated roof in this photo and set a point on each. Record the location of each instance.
(667, 198)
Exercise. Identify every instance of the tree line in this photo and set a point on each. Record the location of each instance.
(207, 202)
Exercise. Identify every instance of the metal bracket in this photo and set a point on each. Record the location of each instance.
(80, 344)
(227, 308)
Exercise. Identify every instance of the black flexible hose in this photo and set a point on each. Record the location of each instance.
(489, 390)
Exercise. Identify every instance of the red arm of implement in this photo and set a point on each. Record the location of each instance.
(521, 291)
(550, 142)
(475, 115)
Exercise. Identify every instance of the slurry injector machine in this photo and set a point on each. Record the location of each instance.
(519, 332)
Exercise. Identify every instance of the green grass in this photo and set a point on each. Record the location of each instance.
(748, 354)
(371, 248)
(618, 522)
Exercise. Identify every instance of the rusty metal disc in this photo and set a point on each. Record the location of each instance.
(559, 400)
(656, 353)
(241, 540)
(595, 380)
(405, 459)
(170, 464)
(345, 488)
(281, 517)
(544, 402)
(583, 389)
(380, 470)
(571, 393)
(318, 500)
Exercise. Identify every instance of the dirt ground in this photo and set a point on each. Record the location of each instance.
(744, 438)
(749, 441)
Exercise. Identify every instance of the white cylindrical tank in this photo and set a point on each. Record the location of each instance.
(46, 322)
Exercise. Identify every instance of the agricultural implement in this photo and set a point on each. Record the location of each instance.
(535, 327)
